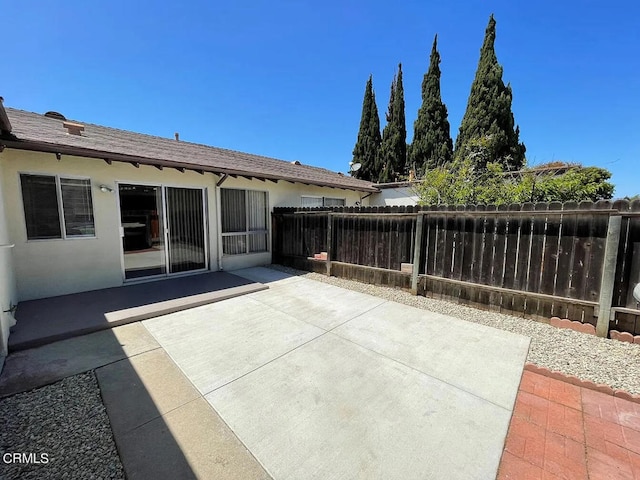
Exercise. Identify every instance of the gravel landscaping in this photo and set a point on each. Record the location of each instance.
(587, 357)
(66, 421)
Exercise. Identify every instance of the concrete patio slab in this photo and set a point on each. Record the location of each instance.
(478, 359)
(218, 343)
(187, 443)
(139, 389)
(325, 306)
(57, 318)
(28, 369)
(332, 409)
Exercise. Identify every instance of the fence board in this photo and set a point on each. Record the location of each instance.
(598, 239)
(566, 256)
(511, 255)
(553, 232)
(632, 272)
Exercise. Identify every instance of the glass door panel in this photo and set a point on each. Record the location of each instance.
(186, 229)
(141, 216)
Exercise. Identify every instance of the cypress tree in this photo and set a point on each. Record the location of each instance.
(393, 152)
(367, 148)
(488, 120)
(432, 145)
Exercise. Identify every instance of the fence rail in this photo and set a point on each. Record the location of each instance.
(536, 260)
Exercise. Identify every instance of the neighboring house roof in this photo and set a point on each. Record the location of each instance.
(407, 183)
(32, 131)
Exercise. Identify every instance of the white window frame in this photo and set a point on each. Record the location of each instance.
(63, 229)
(247, 232)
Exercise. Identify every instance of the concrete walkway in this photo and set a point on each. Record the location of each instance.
(301, 381)
(162, 426)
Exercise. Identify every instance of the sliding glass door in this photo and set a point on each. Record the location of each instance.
(163, 230)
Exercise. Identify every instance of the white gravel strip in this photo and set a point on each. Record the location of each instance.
(65, 428)
(587, 357)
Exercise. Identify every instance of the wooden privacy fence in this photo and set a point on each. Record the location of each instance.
(577, 261)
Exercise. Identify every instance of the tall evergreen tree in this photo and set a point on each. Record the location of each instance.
(488, 118)
(393, 152)
(432, 145)
(367, 148)
(383, 167)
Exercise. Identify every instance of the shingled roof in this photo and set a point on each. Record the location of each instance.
(32, 131)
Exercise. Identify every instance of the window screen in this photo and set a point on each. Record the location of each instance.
(321, 202)
(77, 206)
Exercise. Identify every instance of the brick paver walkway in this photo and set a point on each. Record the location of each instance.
(562, 431)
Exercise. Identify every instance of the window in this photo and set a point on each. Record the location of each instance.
(322, 202)
(334, 202)
(244, 221)
(311, 201)
(42, 196)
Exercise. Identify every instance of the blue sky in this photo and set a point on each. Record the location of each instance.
(286, 78)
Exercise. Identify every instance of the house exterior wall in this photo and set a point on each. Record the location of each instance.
(8, 291)
(400, 196)
(44, 268)
(281, 194)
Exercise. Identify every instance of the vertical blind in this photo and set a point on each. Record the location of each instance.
(257, 212)
(186, 229)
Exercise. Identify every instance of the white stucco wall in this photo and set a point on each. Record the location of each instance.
(8, 292)
(392, 197)
(54, 267)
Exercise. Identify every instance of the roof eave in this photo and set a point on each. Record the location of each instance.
(5, 124)
(120, 157)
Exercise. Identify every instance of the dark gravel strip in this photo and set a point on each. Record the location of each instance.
(65, 425)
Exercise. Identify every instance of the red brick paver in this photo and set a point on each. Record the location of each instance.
(563, 431)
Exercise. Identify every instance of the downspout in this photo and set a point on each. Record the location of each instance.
(366, 196)
(219, 221)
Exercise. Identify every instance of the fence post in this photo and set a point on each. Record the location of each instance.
(329, 241)
(608, 275)
(417, 246)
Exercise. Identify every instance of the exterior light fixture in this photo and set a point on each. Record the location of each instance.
(106, 189)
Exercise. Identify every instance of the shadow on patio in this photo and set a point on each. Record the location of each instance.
(162, 426)
(52, 319)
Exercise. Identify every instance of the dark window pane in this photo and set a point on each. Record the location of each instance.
(78, 207)
(41, 211)
(333, 202)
